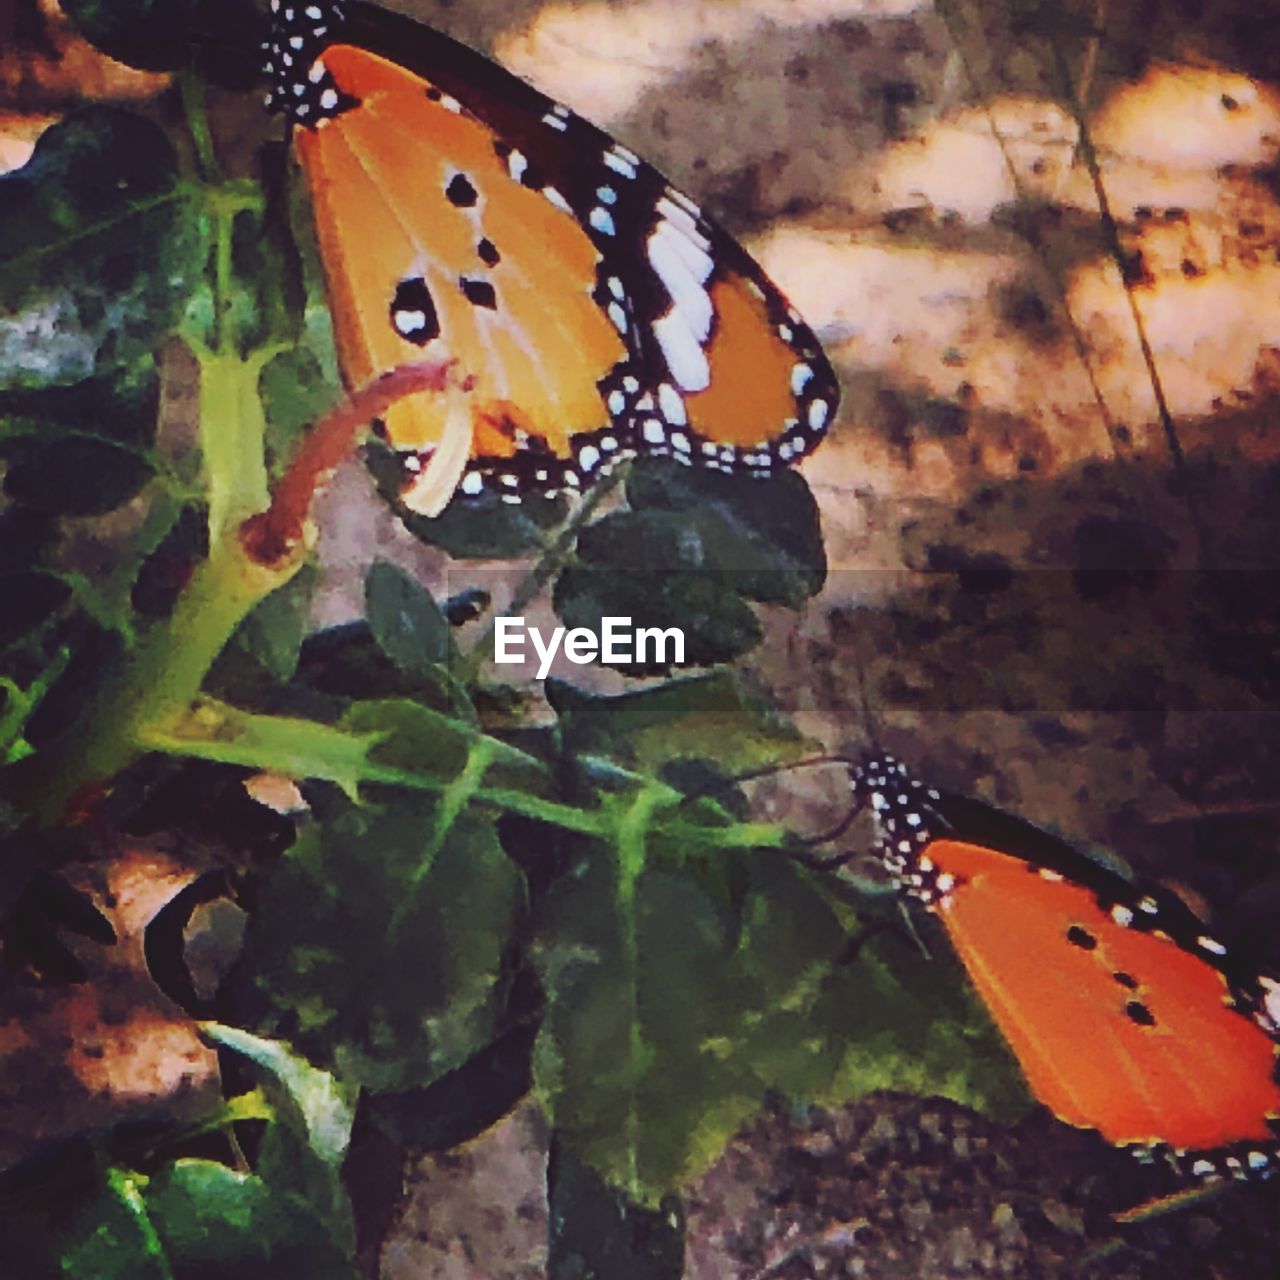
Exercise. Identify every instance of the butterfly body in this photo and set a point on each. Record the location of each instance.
(593, 311)
(1125, 1013)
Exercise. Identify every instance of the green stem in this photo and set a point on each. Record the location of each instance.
(233, 427)
(157, 682)
(630, 846)
(125, 1187)
(192, 88)
(455, 798)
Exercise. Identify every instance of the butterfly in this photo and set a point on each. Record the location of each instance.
(1125, 1013)
(593, 311)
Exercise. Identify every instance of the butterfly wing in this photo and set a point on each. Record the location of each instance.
(1116, 1028)
(592, 310)
(1124, 1013)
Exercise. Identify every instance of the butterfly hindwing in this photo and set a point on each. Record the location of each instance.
(1117, 1029)
(592, 310)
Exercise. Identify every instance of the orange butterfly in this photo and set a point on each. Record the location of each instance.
(593, 310)
(1126, 1015)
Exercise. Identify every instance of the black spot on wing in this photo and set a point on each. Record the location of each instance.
(480, 293)
(1081, 938)
(488, 252)
(413, 312)
(1139, 1013)
(460, 192)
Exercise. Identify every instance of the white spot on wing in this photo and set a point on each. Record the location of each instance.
(555, 198)
(690, 301)
(682, 352)
(409, 322)
(683, 221)
(619, 164)
(672, 405)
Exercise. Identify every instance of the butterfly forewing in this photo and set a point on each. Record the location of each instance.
(592, 310)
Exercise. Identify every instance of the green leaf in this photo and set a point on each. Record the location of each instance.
(598, 1232)
(112, 1236)
(219, 1222)
(657, 569)
(912, 1023)
(708, 717)
(99, 250)
(674, 1007)
(664, 1009)
(393, 973)
(481, 528)
(152, 34)
(406, 622)
(694, 548)
(272, 634)
(772, 537)
(410, 737)
(323, 1107)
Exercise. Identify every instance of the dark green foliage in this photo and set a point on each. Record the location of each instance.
(483, 528)
(99, 250)
(694, 548)
(407, 625)
(143, 33)
(168, 568)
(295, 392)
(198, 1219)
(27, 599)
(597, 1232)
(379, 942)
(163, 35)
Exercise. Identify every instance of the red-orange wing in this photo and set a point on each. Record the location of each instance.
(592, 310)
(1126, 1015)
(1116, 1029)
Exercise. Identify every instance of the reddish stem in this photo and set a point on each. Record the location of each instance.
(269, 537)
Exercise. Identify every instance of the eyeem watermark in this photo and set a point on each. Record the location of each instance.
(618, 643)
